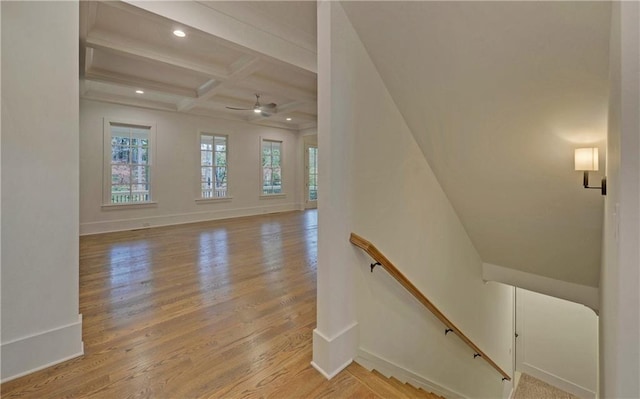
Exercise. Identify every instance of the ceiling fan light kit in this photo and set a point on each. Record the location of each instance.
(265, 110)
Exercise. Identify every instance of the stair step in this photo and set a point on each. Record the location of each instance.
(412, 391)
(431, 395)
(385, 387)
(378, 385)
(408, 389)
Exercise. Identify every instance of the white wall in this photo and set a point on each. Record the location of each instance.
(558, 342)
(176, 168)
(40, 320)
(396, 202)
(619, 281)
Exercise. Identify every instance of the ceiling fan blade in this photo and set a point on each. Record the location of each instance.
(270, 106)
(265, 114)
(239, 109)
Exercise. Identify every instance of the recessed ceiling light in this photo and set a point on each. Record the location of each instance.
(179, 33)
(288, 119)
(139, 91)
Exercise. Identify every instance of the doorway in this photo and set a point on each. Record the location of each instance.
(557, 342)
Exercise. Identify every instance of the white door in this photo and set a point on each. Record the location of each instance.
(311, 176)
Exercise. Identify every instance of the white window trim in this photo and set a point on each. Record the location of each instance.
(261, 194)
(106, 163)
(273, 196)
(199, 199)
(147, 204)
(213, 200)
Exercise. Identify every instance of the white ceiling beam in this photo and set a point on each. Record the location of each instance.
(83, 87)
(244, 66)
(141, 51)
(130, 81)
(216, 114)
(204, 17)
(206, 86)
(88, 60)
(239, 70)
(169, 22)
(248, 14)
(211, 90)
(89, 13)
(136, 102)
(277, 89)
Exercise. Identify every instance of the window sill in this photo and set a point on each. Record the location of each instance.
(150, 204)
(273, 196)
(212, 200)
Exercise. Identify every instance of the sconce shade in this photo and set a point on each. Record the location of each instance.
(586, 159)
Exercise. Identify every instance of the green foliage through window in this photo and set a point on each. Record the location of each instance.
(213, 166)
(130, 166)
(271, 167)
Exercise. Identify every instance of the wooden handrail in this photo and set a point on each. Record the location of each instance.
(404, 281)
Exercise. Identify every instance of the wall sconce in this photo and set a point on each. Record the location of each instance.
(586, 160)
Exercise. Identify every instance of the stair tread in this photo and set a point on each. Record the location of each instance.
(383, 387)
(376, 384)
(408, 389)
(431, 395)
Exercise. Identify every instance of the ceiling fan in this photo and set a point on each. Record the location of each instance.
(265, 110)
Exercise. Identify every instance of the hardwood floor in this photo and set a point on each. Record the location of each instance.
(219, 309)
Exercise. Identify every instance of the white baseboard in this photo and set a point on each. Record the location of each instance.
(109, 226)
(556, 381)
(35, 352)
(387, 368)
(516, 381)
(332, 354)
(585, 295)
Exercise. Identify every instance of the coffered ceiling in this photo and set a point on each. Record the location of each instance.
(126, 48)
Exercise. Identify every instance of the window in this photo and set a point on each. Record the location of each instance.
(213, 166)
(312, 178)
(128, 170)
(271, 167)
